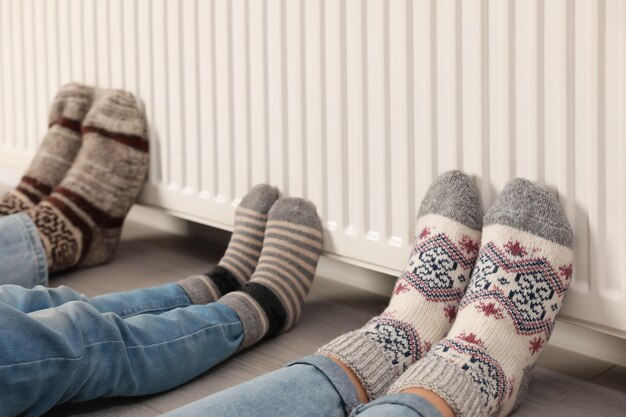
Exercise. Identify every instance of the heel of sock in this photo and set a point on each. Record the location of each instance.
(102, 248)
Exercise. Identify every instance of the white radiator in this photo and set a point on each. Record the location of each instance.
(354, 104)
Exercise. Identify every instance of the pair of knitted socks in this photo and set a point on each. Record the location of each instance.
(469, 316)
(85, 176)
(269, 264)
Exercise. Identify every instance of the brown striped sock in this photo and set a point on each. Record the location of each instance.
(56, 152)
(242, 254)
(272, 301)
(81, 221)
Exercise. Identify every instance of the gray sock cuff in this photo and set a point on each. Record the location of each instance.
(199, 289)
(365, 358)
(527, 206)
(454, 195)
(253, 319)
(448, 381)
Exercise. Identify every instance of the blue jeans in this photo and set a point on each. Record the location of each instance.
(59, 346)
(313, 386)
(22, 256)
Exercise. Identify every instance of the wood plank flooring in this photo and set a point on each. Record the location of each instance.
(565, 385)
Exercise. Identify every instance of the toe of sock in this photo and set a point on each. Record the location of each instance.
(117, 111)
(298, 211)
(260, 198)
(454, 195)
(72, 101)
(527, 206)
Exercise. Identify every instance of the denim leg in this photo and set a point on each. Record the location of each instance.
(397, 405)
(313, 386)
(75, 353)
(22, 256)
(154, 300)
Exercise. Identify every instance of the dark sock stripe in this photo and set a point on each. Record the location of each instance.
(223, 279)
(134, 141)
(254, 246)
(99, 217)
(67, 123)
(35, 199)
(37, 185)
(243, 261)
(271, 305)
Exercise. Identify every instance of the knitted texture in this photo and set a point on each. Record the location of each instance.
(242, 255)
(272, 301)
(483, 366)
(56, 152)
(81, 221)
(426, 296)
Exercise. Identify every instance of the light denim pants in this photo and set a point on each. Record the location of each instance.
(58, 346)
(313, 386)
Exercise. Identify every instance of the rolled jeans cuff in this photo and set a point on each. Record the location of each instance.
(337, 377)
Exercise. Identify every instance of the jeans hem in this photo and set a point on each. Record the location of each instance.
(337, 377)
(36, 247)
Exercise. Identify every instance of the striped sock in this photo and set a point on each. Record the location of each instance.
(272, 301)
(81, 221)
(427, 294)
(242, 255)
(484, 365)
(56, 152)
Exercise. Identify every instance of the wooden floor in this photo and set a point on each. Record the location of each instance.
(566, 384)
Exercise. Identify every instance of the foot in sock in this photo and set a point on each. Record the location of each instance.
(244, 249)
(56, 152)
(81, 221)
(272, 301)
(484, 365)
(426, 295)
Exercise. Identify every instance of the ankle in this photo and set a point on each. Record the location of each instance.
(358, 386)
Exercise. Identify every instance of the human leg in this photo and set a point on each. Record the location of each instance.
(74, 353)
(311, 387)
(153, 300)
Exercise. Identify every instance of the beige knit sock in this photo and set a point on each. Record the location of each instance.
(243, 252)
(81, 221)
(56, 152)
(427, 294)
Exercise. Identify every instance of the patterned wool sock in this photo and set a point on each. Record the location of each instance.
(483, 366)
(56, 152)
(426, 295)
(272, 301)
(242, 255)
(81, 221)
